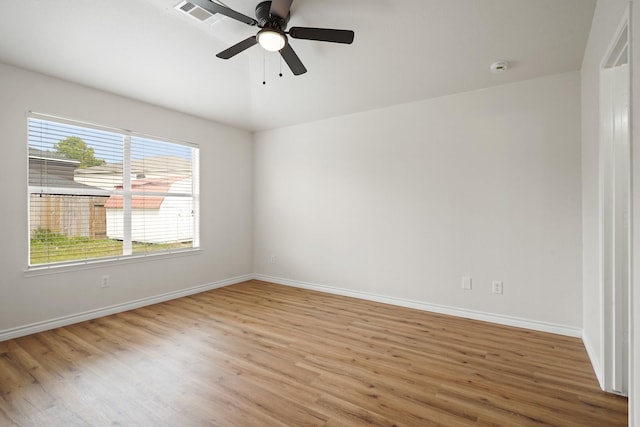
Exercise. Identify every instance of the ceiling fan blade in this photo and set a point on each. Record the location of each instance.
(217, 8)
(322, 34)
(237, 48)
(292, 60)
(280, 8)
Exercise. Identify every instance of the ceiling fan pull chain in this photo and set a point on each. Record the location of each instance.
(264, 66)
(280, 67)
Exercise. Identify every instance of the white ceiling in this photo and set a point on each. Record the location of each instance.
(403, 51)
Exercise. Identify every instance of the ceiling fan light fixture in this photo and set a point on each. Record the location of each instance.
(271, 40)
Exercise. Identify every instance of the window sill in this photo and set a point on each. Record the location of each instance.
(105, 262)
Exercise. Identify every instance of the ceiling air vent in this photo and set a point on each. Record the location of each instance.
(197, 12)
(186, 7)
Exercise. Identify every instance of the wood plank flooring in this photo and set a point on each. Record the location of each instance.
(259, 354)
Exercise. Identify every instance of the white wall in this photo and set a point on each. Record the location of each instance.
(606, 19)
(226, 204)
(403, 201)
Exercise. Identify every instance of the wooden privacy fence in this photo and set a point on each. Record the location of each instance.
(72, 216)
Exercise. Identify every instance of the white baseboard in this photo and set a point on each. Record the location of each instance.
(435, 308)
(118, 308)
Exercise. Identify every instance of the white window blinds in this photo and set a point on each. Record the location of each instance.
(96, 193)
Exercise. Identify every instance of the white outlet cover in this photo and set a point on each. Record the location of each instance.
(496, 287)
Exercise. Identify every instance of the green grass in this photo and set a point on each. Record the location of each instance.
(50, 247)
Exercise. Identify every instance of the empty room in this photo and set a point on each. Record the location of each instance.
(319, 213)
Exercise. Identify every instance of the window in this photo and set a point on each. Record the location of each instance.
(98, 193)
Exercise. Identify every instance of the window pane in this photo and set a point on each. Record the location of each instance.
(160, 167)
(68, 156)
(69, 228)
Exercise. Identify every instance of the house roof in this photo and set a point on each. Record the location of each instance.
(154, 165)
(48, 169)
(137, 202)
(403, 51)
(35, 153)
(40, 178)
(148, 185)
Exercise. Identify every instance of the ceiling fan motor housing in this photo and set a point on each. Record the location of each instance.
(266, 20)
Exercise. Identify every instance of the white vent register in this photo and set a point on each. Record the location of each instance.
(199, 13)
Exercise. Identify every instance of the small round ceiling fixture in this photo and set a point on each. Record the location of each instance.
(499, 67)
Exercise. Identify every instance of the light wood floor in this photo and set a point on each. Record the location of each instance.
(258, 354)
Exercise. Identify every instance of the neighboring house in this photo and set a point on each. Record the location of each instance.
(158, 218)
(52, 208)
(109, 176)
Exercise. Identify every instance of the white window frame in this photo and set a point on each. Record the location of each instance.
(127, 194)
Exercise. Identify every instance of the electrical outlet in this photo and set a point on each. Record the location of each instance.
(104, 283)
(496, 287)
(273, 259)
(466, 283)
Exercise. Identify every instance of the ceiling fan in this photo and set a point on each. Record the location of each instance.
(273, 17)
